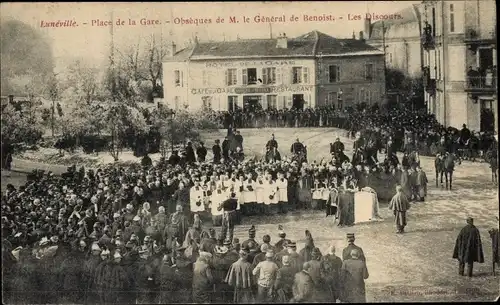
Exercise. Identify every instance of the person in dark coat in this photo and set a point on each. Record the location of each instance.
(239, 139)
(303, 285)
(73, 285)
(346, 253)
(174, 158)
(201, 152)
(283, 285)
(468, 248)
(331, 265)
(240, 278)
(225, 149)
(307, 252)
(494, 245)
(281, 244)
(203, 279)
(146, 161)
(353, 276)
(217, 152)
(190, 156)
(399, 204)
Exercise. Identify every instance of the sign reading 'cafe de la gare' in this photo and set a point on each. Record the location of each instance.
(252, 90)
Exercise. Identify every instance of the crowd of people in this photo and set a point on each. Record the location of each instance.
(397, 123)
(148, 232)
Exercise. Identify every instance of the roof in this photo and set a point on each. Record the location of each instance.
(308, 45)
(408, 15)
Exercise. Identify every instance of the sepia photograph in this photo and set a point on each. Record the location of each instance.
(249, 152)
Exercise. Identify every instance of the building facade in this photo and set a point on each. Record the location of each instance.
(402, 40)
(309, 71)
(459, 43)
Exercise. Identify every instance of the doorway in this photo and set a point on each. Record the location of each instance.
(487, 119)
(298, 101)
(252, 103)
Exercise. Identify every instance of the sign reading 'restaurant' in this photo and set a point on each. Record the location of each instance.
(252, 90)
(230, 64)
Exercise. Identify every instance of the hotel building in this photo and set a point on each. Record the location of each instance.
(311, 70)
(459, 62)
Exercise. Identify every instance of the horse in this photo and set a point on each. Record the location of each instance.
(444, 166)
(300, 157)
(272, 155)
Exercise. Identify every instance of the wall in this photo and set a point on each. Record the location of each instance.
(171, 91)
(208, 79)
(352, 80)
(457, 109)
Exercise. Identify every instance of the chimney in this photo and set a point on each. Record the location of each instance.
(353, 35)
(173, 49)
(361, 36)
(282, 42)
(11, 99)
(367, 27)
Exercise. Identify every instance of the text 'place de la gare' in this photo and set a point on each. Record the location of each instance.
(310, 70)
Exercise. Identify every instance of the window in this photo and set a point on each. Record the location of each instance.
(272, 102)
(297, 75)
(333, 73)
(439, 64)
(231, 77)
(452, 19)
(361, 95)
(207, 102)
(269, 76)
(178, 78)
(368, 71)
(368, 97)
(232, 102)
(249, 76)
(433, 22)
(332, 96)
(177, 102)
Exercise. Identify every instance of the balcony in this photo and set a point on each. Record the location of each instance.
(481, 84)
(473, 39)
(429, 83)
(427, 39)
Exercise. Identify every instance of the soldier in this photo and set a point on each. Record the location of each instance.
(346, 253)
(271, 144)
(331, 265)
(229, 217)
(297, 147)
(337, 147)
(266, 272)
(468, 248)
(283, 285)
(353, 276)
(281, 244)
(251, 238)
(307, 252)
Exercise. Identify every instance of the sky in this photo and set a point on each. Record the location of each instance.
(92, 42)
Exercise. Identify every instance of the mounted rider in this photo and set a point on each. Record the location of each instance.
(297, 148)
(337, 147)
(272, 143)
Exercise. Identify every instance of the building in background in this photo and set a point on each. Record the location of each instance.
(311, 70)
(459, 42)
(402, 40)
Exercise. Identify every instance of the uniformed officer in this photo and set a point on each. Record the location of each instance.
(346, 253)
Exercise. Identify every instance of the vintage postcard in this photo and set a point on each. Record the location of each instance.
(249, 152)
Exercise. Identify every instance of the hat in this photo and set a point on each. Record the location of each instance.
(227, 242)
(350, 236)
(281, 232)
(129, 207)
(292, 244)
(252, 230)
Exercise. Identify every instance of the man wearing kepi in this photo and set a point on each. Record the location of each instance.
(346, 253)
(229, 216)
(468, 248)
(399, 205)
(353, 276)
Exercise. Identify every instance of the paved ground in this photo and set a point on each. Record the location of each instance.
(416, 266)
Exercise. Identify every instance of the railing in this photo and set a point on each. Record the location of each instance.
(488, 82)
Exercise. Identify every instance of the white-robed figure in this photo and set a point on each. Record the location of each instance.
(240, 194)
(260, 189)
(272, 195)
(217, 198)
(326, 191)
(317, 194)
(196, 198)
(249, 194)
(282, 185)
